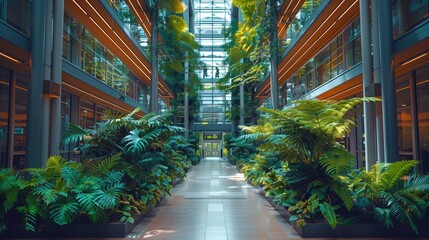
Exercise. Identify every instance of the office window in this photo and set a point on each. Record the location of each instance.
(4, 116)
(422, 92)
(20, 130)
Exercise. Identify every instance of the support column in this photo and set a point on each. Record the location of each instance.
(11, 121)
(34, 117)
(390, 127)
(185, 88)
(274, 53)
(154, 77)
(46, 101)
(368, 107)
(186, 107)
(377, 80)
(57, 61)
(242, 103)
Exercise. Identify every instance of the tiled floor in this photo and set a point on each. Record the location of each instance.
(214, 203)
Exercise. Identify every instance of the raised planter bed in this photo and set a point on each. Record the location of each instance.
(82, 230)
(359, 230)
(79, 230)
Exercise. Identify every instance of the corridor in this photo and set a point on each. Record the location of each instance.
(214, 202)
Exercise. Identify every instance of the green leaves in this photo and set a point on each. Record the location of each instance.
(329, 213)
(112, 182)
(337, 161)
(63, 213)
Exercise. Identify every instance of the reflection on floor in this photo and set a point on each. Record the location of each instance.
(215, 203)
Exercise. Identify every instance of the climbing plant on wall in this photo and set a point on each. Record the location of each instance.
(178, 46)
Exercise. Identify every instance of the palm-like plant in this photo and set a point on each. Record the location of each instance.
(389, 195)
(305, 139)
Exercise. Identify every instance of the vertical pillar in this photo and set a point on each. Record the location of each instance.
(186, 103)
(242, 103)
(388, 91)
(154, 77)
(186, 107)
(34, 117)
(57, 61)
(47, 67)
(274, 52)
(368, 107)
(11, 120)
(377, 80)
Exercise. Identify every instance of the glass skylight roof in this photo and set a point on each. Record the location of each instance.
(211, 17)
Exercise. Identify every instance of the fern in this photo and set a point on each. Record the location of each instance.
(48, 193)
(55, 163)
(101, 167)
(74, 134)
(29, 212)
(395, 171)
(337, 161)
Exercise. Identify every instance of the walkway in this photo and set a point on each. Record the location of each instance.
(215, 202)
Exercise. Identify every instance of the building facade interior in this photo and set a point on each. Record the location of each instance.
(104, 63)
(68, 61)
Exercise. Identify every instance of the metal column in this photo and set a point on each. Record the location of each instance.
(390, 127)
(368, 107)
(46, 101)
(34, 118)
(57, 58)
(274, 62)
(377, 80)
(154, 45)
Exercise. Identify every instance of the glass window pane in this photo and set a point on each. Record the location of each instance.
(4, 116)
(20, 130)
(422, 89)
(404, 118)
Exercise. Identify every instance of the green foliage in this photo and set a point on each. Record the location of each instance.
(329, 214)
(390, 195)
(112, 182)
(175, 6)
(312, 174)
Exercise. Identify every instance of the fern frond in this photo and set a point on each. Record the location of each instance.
(383, 216)
(74, 134)
(103, 166)
(48, 193)
(395, 171)
(417, 183)
(29, 212)
(337, 161)
(55, 163)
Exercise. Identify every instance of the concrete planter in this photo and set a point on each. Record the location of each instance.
(82, 230)
(359, 230)
(78, 230)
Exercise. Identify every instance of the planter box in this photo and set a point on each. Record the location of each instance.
(82, 230)
(88, 230)
(79, 230)
(359, 230)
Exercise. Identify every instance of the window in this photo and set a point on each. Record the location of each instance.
(4, 116)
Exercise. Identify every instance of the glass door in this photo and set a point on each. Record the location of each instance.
(212, 148)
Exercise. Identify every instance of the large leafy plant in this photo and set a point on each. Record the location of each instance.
(63, 192)
(388, 194)
(149, 163)
(315, 166)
